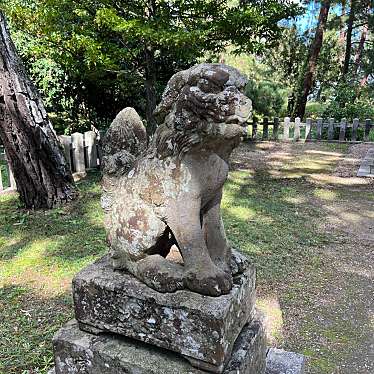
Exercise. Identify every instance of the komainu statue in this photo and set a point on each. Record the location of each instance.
(169, 192)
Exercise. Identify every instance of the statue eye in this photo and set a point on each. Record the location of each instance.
(231, 89)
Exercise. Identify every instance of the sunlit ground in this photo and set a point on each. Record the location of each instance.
(308, 231)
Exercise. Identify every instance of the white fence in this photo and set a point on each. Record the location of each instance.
(7, 181)
(318, 129)
(82, 152)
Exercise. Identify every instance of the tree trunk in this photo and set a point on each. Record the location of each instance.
(42, 175)
(150, 91)
(314, 51)
(348, 39)
(361, 44)
(342, 35)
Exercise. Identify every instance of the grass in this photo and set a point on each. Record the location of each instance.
(273, 214)
(39, 254)
(4, 174)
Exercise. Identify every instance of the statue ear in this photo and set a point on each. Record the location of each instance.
(170, 95)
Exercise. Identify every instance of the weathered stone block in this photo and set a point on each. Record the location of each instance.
(279, 361)
(200, 327)
(80, 352)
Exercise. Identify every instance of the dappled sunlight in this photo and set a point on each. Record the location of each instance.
(336, 155)
(31, 268)
(273, 321)
(281, 156)
(32, 255)
(93, 212)
(359, 271)
(43, 250)
(240, 212)
(325, 194)
(340, 181)
(295, 199)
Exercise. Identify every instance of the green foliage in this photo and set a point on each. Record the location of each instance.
(267, 97)
(112, 55)
(351, 102)
(287, 58)
(316, 109)
(266, 88)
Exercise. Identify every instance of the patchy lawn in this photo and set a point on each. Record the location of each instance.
(39, 254)
(308, 224)
(309, 231)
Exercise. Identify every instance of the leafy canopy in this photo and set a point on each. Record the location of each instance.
(110, 50)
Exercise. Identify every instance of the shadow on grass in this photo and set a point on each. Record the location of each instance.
(45, 248)
(28, 323)
(314, 304)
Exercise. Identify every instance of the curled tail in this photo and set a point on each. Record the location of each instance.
(124, 141)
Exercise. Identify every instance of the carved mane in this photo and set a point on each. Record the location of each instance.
(190, 110)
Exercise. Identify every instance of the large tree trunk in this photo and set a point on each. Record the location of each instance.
(42, 175)
(361, 45)
(342, 34)
(314, 51)
(150, 90)
(348, 39)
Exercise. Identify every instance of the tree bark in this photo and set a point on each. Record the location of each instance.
(41, 172)
(342, 34)
(150, 91)
(361, 44)
(348, 39)
(314, 51)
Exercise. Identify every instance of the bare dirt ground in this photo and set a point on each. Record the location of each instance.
(326, 308)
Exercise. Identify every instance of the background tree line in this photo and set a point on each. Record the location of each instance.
(90, 59)
(322, 66)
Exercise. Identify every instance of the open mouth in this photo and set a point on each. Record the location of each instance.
(238, 119)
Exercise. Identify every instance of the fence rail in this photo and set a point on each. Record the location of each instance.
(83, 152)
(312, 130)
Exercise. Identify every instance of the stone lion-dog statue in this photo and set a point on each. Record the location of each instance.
(169, 192)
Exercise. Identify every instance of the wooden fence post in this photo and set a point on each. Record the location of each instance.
(78, 152)
(296, 135)
(330, 131)
(367, 129)
(286, 129)
(343, 127)
(91, 151)
(319, 128)
(308, 129)
(254, 129)
(275, 128)
(265, 128)
(66, 143)
(12, 181)
(355, 125)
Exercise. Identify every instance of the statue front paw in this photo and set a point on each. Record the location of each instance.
(208, 279)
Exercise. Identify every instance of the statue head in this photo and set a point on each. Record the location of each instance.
(201, 105)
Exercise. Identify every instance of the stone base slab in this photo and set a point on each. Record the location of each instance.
(80, 352)
(279, 361)
(202, 328)
(367, 165)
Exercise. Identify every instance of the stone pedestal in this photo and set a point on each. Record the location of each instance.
(80, 352)
(123, 326)
(202, 328)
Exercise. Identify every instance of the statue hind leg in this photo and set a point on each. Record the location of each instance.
(158, 272)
